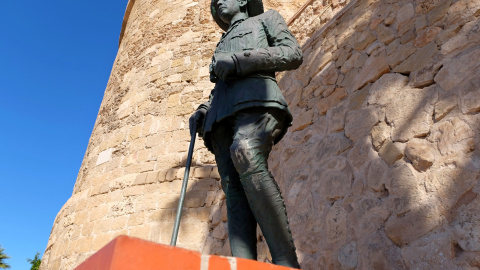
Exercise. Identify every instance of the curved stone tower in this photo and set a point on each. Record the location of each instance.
(380, 170)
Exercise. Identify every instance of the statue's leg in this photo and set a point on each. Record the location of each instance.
(254, 136)
(241, 221)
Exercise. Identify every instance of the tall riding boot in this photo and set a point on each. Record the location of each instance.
(268, 207)
(242, 227)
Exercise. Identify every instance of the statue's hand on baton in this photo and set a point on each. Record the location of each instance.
(195, 122)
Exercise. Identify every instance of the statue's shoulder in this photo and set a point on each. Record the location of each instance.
(269, 13)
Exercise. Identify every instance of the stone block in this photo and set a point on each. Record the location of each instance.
(426, 36)
(418, 60)
(359, 123)
(385, 34)
(385, 88)
(438, 12)
(391, 151)
(303, 120)
(411, 113)
(420, 153)
(457, 70)
(378, 175)
(336, 224)
(348, 256)
(196, 199)
(362, 40)
(324, 104)
(452, 137)
(435, 249)
(136, 219)
(444, 105)
(215, 174)
(403, 230)
(375, 66)
(466, 226)
(202, 172)
(105, 156)
(220, 231)
(468, 37)
(380, 133)
(336, 117)
(405, 18)
(424, 76)
(470, 96)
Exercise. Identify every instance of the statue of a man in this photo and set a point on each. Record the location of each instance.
(245, 116)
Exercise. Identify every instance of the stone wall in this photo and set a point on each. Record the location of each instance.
(130, 178)
(381, 167)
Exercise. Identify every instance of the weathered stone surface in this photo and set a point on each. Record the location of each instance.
(336, 223)
(452, 136)
(303, 120)
(380, 133)
(391, 151)
(468, 37)
(336, 184)
(410, 113)
(362, 40)
(420, 153)
(361, 153)
(445, 104)
(419, 59)
(424, 76)
(404, 18)
(426, 36)
(324, 104)
(377, 175)
(359, 123)
(438, 12)
(397, 52)
(402, 230)
(466, 226)
(470, 95)
(459, 69)
(434, 251)
(406, 188)
(336, 117)
(348, 256)
(375, 66)
(385, 34)
(385, 88)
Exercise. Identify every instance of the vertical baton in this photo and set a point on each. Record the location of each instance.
(173, 242)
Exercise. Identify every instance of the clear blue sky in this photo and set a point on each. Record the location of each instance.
(55, 61)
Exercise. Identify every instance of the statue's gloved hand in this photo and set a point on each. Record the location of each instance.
(224, 66)
(195, 121)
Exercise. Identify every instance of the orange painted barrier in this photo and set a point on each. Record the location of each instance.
(126, 253)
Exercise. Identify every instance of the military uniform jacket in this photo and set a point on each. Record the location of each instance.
(259, 46)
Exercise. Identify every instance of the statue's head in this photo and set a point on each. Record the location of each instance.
(223, 9)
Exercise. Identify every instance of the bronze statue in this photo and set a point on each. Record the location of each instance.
(245, 116)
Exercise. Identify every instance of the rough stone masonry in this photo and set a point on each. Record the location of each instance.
(380, 169)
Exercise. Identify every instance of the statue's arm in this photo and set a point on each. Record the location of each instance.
(283, 53)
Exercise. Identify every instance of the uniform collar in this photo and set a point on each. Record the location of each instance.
(233, 26)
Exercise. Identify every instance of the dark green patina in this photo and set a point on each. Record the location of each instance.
(244, 117)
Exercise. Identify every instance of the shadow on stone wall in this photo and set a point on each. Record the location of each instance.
(204, 214)
(380, 169)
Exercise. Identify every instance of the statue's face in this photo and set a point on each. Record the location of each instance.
(227, 9)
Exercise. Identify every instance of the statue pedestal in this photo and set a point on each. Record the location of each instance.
(126, 253)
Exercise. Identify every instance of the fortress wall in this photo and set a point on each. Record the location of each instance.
(381, 167)
(130, 179)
